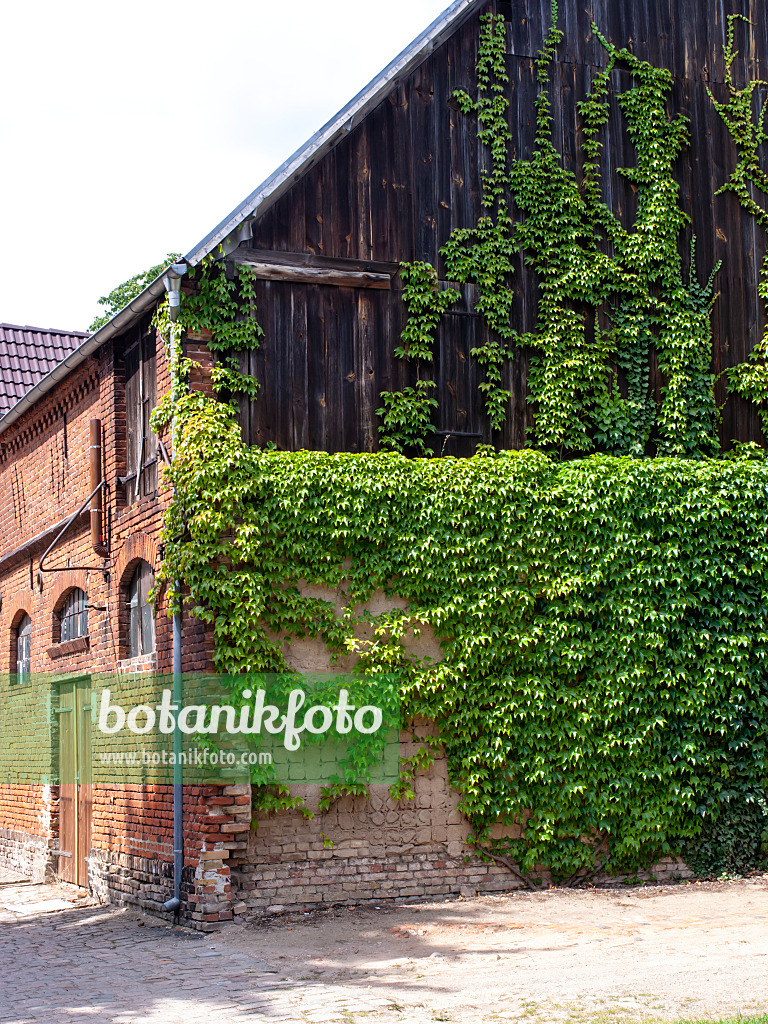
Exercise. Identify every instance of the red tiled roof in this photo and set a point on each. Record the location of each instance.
(27, 354)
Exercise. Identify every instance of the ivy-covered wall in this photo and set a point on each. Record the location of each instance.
(603, 685)
(602, 622)
(612, 295)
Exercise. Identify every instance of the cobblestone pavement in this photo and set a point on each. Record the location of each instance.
(65, 961)
(690, 951)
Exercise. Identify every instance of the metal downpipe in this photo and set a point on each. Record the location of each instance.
(172, 282)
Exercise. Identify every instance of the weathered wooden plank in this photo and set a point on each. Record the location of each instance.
(441, 128)
(343, 373)
(360, 175)
(309, 235)
(378, 184)
(309, 259)
(314, 275)
(299, 371)
(339, 204)
(317, 368)
(423, 166)
(265, 363)
(453, 366)
(518, 28)
(368, 312)
(400, 206)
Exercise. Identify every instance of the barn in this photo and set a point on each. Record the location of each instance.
(331, 240)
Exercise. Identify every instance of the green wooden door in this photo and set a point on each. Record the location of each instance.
(75, 788)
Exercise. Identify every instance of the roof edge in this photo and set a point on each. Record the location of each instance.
(121, 320)
(348, 117)
(264, 196)
(44, 330)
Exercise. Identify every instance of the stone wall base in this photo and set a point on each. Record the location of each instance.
(124, 880)
(210, 896)
(146, 884)
(32, 856)
(316, 882)
(307, 884)
(375, 848)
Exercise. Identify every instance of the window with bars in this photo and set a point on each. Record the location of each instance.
(141, 619)
(24, 650)
(74, 616)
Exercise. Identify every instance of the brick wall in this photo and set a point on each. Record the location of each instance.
(29, 847)
(373, 850)
(363, 849)
(369, 849)
(44, 477)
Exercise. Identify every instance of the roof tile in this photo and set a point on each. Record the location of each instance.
(27, 354)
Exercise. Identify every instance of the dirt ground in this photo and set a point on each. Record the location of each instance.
(690, 951)
(694, 950)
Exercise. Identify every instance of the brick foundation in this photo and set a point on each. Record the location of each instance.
(126, 880)
(29, 829)
(32, 856)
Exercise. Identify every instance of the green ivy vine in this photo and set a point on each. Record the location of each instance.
(601, 698)
(602, 690)
(749, 379)
(608, 294)
(733, 844)
(224, 308)
(407, 415)
(225, 305)
(483, 254)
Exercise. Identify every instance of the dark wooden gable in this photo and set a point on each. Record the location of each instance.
(409, 173)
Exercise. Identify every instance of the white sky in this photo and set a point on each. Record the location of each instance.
(131, 129)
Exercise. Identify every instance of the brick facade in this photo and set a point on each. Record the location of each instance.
(44, 477)
(372, 850)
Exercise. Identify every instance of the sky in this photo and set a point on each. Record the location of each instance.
(130, 130)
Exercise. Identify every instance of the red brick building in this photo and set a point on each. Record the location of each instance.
(68, 618)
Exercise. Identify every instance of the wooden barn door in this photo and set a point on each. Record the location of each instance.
(75, 773)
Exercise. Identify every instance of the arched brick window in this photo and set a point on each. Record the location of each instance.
(73, 617)
(141, 617)
(22, 642)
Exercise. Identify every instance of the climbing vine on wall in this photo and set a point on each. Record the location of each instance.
(602, 690)
(483, 254)
(407, 415)
(207, 442)
(588, 264)
(601, 693)
(750, 379)
(608, 294)
(224, 307)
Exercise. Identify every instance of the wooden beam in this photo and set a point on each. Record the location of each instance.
(306, 268)
(310, 259)
(311, 275)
